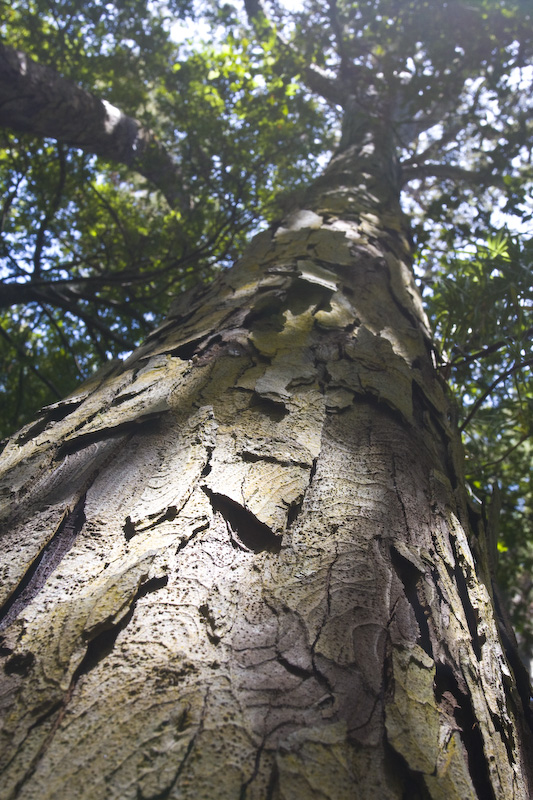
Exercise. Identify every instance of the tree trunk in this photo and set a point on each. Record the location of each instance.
(236, 566)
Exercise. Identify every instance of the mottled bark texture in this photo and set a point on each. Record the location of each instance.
(37, 100)
(236, 566)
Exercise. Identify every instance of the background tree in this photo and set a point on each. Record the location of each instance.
(424, 101)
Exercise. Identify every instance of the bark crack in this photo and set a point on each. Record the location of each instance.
(145, 421)
(294, 669)
(246, 784)
(246, 531)
(462, 588)
(210, 623)
(53, 413)
(323, 679)
(166, 793)
(203, 525)
(97, 649)
(44, 564)
(131, 528)
(448, 693)
(411, 579)
(295, 508)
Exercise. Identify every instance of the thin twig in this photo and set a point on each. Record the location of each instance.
(479, 402)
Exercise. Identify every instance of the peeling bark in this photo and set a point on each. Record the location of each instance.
(269, 592)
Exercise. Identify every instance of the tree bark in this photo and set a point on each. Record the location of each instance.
(238, 566)
(37, 100)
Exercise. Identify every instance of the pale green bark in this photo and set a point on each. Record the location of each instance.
(260, 584)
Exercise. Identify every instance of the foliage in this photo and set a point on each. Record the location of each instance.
(481, 302)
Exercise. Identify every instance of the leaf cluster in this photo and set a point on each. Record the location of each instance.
(481, 302)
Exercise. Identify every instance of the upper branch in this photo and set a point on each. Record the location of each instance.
(318, 81)
(36, 99)
(451, 172)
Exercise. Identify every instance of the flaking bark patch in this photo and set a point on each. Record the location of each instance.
(44, 564)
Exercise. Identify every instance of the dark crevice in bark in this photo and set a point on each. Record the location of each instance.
(246, 784)
(273, 409)
(182, 725)
(127, 396)
(521, 675)
(375, 401)
(44, 564)
(253, 458)
(476, 532)
(458, 704)
(267, 314)
(207, 467)
(376, 705)
(53, 709)
(190, 350)
(273, 783)
(54, 413)
(202, 526)
(166, 792)
(419, 404)
(147, 423)
(411, 578)
(428, 419)
(294, 669)
(210, 623)
(294, 512)
(295, 508)
(414, 787)
(449, 696)
(400, 498)
(506, 732)
(321, 678)
(246, 531)
(412, 783)
(131, 528)
(413, 321)
(470, 614)
(102, 644)
(305, 292)
(19, 664)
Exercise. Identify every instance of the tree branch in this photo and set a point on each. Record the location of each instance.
(507, 452)
(485, 351)
(479, 402)
(316, 79)
(37, 100)
(451, 172)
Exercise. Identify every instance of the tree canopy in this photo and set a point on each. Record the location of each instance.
(222, 128)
